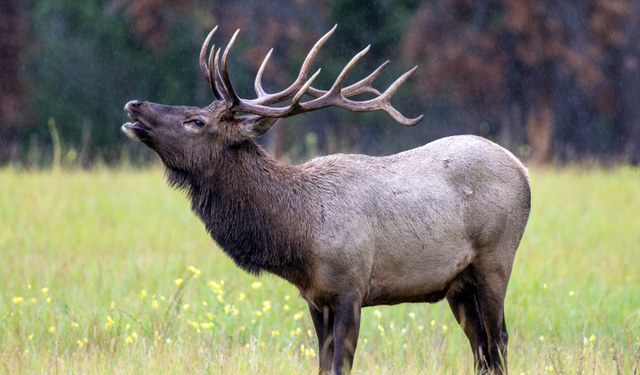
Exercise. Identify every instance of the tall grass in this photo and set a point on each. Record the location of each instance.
(109, 272)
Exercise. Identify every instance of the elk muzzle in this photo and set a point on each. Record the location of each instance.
(135, 130)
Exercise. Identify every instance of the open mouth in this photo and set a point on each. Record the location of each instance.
(135, 130)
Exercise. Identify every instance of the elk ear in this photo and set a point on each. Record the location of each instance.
(253, 126)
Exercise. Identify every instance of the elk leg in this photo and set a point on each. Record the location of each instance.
(323, 323)
(345, 331)
(466, 309)
(492, 287)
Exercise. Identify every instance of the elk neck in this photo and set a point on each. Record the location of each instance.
(257, 210)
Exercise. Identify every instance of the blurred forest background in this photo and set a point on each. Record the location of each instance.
(553, 81)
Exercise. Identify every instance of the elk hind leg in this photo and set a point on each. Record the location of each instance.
(463, 300)
(492, 280)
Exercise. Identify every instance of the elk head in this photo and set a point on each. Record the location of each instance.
(185, 137)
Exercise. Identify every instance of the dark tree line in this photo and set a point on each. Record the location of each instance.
(551, 80)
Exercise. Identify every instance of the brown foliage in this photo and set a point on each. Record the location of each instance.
(463, 61)
(471, 46)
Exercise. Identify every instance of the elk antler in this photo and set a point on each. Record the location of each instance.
(336, 96)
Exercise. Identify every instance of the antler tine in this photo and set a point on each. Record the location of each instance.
(360, 87)
(215, 86)
(290, 91)
(385, 98)
(218, 78)
(296, 99)
(258, 84)
(337, 85)
(235, 100)
(206, 71)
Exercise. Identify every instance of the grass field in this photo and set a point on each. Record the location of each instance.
(109, 272)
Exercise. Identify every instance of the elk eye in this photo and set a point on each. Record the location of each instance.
(197, 123)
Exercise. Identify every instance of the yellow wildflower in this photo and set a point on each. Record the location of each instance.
(310, 353)
(377, 313)
(297, 316)
(75, 325)
(45, 291)
(210, 316)
(220, 299)
(275, 333)
(592, 338)
(154, 304)
(48, 299)
(18, 300)
(433, 323)
(286, 298)
(286, 307)
(185, 307)
(256, 285)
(178, 282)
(444, 328)
(241, 297)
(143, 293)
(33, 300)
(109, 322)
(51, 329)
(196, 272)
(80, 343)
(30, 337)
(412, 315)
(213, 284)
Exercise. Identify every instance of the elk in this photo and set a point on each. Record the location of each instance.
(349, 231)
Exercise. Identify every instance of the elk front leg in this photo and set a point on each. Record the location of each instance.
(323, 323)
(345, 332)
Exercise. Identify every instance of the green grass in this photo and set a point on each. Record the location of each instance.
(107, 244)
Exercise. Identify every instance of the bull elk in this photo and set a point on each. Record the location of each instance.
(349, 231)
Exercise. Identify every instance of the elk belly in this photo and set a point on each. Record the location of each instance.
(417, 279)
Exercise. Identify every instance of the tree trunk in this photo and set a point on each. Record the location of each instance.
(540, 133)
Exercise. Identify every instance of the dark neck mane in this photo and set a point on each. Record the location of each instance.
(256, 209)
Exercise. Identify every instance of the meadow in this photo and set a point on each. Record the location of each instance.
(108, 271)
